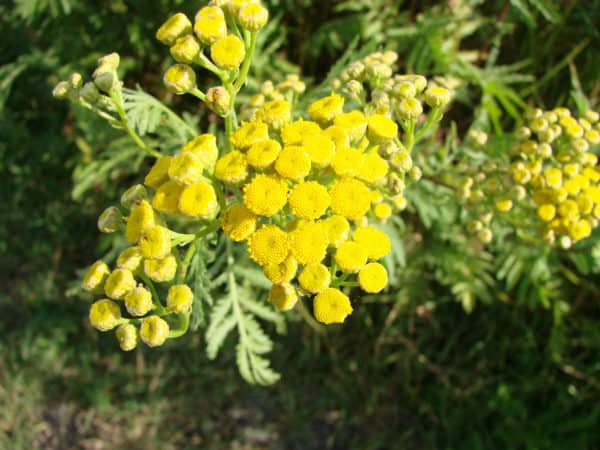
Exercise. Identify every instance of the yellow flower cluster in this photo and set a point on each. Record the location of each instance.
(288, 89)
(550, 181)
(307, 192)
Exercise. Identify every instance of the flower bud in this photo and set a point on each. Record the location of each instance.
(437, 96)
(61, 90)
(127, 336)
(96, 276)
(180, 79)
(234, 6)
(139, 301)
(402, 161)
(253, 16)
(154, 331)
(186, 49)
(110, 61)
(228, 52)
(404, 89)
(155, 242)
(218, 100)
(409, 108)
(110, 220)
(75, 81)
(130, 258)
(186, 168)
(485, 235)
(415, 173)
(180, 298)
(175, 27)
(396, 184)
(522, 133)
(161, 270)
(133, 195)
(90, 93)
(378, 71)
(119, 283)
(210, 24)
(105, 314)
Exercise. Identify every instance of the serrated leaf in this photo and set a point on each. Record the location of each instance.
(217, 337)
(267, 313)
(256, 339)
(253, 368)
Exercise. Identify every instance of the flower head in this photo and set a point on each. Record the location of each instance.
(269, 245)
(265, 195)
(199, 200)
(105, 314)
(331, 306)
(180, 298)
(154, 331)
(238, 222)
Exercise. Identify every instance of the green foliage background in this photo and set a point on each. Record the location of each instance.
(411, 369)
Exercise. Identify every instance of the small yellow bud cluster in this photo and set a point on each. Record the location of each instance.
(549, 177)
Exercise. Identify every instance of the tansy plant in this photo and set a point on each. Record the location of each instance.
(302, 193)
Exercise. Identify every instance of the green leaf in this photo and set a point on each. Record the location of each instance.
(221, 323)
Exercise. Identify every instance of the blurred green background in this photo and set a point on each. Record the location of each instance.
(417, 372)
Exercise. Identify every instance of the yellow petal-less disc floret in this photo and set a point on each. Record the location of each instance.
(354, 122)
(347, 162)
(154, 331)
(186, 168)
(105, 314)
(199, 200)
(381, 129)
(253, 16)
(238, 222)
(283, 296)
(159, 173)
(382, 211)
(130, 258)
(320, 149)
(166, 197)
(249, 133)
(232, 167)
(265, 195)
(180, 298)
(504, 204)
(338, 135)
(331, 306)
(351, 257)
(161, 270)
(293, 163)
(176, 26)
(373, 169)
(269, 245)
(314, 278)
(326, 108)
(127, 336)
(308, 242)
(96, 276)
(337, 228)
(119, 283)
(350, 198)
(282, 272)
(186, 49)
(372, 278)
(139, 301)
(228, 52)
(275, 113)
(437, 96)
(210, 24)
(155, 242)
(263, 154)
(375, 242)
(296, 132)
(580, 230)
(141, 218)
(309, 200)
(553, 177)
(204, 146)
(180, 79)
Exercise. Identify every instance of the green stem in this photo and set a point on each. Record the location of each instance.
(118, 101)
(184, 324)
(198, 94)
(433, 118)
(247, 63)
(158, 306)
(229, 128)
(410, 135)
(203, 61)
(237, 309)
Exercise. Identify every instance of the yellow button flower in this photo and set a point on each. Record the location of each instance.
(180, 79)
(105, 314)
(296, 132)
(204, 146)
(569, 210)
(210, 25)
(282, 272)
(347, 162)
(186, 49)
(337, 229)
(546, 212)
(253, 16)
(199, 200)
(326, 108)
(553, 177)
(309, 200)
(130, 258)
(249, 134)
(351, 257)
(308, 242)
(382, 211)
(373, 169)
(437, 96)
(320, 149)
(331, 306)
(155, 242)
(119, 283)
(186, 168)
(228, 52)
(263, 154)
(161, 270)
(238, 222)
(381, 129)
(338, 135)
(232, 167)
(350, 198)
(314, 278)
(265, 195)
(127, 336)
(96, 276)
(580, 230)
(354, 122)
(159, 173)
(139, 301)
(275, 113)
(180, 298)
(504, 204)
(293, 163)
(154, 331)
(166, 197)
(372, 278)
(269, 245)
(176, 26)
(283, 296)
(375, 242)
